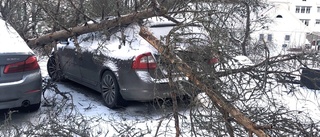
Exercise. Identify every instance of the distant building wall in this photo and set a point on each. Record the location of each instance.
(308, 11)
(286, 30)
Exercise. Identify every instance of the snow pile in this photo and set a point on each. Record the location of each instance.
(11, 42)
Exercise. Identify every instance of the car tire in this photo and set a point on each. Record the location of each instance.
(189, 99)
(31, 108)
(54, 71)
(110, 91)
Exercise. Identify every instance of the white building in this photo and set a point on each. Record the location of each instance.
(308, 11)
(285, 31)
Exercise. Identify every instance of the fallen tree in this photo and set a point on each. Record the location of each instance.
(87, 28)
(215, 97)
(218, 99)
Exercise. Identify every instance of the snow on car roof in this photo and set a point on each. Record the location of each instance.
(158, 21)
(134, 45)
(11, 42)
(244, 60)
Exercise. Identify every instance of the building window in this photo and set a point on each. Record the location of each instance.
(287, 37)
(269, 38)
(305, 21)
(303, 9)
(317, 21)
(298, 9)
(261, 37)
(308, 9)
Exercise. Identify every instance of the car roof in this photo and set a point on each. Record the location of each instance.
(11, 42)
(158, 21)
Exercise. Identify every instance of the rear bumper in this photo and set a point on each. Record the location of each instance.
(29, 88)
(150, 91)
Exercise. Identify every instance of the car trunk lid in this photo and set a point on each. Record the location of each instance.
(13, 66)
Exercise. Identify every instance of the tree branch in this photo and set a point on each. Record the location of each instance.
(64, 34)
(216, 97)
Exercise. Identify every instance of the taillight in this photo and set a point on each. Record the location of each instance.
(29, 64)
(214, 60)
(144, 61)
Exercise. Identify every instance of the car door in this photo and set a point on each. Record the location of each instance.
(92, 61)
(90, 67)
(69, 62)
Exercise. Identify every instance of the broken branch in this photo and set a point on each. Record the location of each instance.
(123, 20)
(216, 98)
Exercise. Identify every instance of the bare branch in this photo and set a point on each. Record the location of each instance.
(216, 98)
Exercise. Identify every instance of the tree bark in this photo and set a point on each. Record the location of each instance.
(216, 98)
(64, 34)
(247, 33)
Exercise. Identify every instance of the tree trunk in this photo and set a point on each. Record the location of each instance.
(247, 33)
(216, 98)
(126, 19)
(33, 18)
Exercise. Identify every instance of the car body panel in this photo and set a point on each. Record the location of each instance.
(69, 63)
(11, 42)
(90, 67)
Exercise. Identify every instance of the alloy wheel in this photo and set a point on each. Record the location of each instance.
(54, 71)
(109, 90)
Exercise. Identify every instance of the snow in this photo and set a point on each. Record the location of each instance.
(134, 44)
(305, 100)
(244, 60)
(145, 76)
(111, 65)
(11, 42)
(127, 43)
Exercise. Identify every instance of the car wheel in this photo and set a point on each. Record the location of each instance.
(110, 91)
(54, 71)
(31, 108)
(189, 99)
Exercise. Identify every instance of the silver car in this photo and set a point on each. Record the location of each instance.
(20, 77)
(117, 62)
